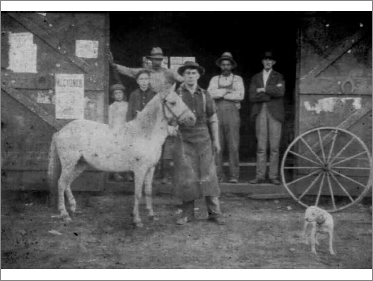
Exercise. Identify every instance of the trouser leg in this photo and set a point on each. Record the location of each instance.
(219, 156)
(213, 206)
(233, 140)
(275, 128)
(188, 209)
(262, 136)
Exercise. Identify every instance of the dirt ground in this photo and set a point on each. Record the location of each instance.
(258, 234)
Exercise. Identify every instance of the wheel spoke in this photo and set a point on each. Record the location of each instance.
(308, 146)
(349, 158)
(341, 186)
(322, 148)
(294, 181)
(331, 191)
(305, 158)
(309, 187)
(331, 149)
(320, 189)
(351, 168)
(301, 167)
(343, 149)
(348, 178)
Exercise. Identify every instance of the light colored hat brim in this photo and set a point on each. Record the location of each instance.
(218, 61)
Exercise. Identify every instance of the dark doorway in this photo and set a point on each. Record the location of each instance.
(206, 35)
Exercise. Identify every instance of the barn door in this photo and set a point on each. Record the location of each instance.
(335, 73)
(45, 53)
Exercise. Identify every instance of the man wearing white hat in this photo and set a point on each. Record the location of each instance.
(228, 91)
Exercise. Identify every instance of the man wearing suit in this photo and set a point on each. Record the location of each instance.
(266, 92)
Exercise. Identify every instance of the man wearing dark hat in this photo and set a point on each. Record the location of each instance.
(160, 78)
(266, 93)
(228, 90)
(194, 166)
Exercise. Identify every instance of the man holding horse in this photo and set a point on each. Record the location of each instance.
(194, 166)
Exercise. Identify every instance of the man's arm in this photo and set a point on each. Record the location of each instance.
(238, 92)
(257, 94)
(213, 89)
(130, 72)
(277, 89)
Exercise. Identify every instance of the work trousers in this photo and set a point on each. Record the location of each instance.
(267, 127)
(212, 204)
(229, 136)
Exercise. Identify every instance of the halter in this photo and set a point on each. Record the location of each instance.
(165, 105)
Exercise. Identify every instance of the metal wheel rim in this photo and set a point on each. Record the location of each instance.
(354, 137)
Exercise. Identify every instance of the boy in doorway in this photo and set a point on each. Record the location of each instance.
(117, 113)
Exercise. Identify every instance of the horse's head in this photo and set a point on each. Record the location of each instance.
(175, 110)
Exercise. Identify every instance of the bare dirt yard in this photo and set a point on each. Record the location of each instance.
(258, 234)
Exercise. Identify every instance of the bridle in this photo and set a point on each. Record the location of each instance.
(176, 118)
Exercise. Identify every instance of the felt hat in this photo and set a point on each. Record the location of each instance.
(117, 87)
(226, 56)
(268, 55)
(191, 65)
(156, 53)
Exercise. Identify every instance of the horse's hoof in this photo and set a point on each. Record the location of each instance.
(153, 218)
(139, 225)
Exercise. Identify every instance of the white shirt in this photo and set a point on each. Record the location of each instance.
(237, 93)
(117, 114)
(265, 76)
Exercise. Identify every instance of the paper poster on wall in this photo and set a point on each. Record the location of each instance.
(22, 52)
(69, 90)
(86, 49)
(193, 59)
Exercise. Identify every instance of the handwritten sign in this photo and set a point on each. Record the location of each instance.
(69, 96)
(22, 52)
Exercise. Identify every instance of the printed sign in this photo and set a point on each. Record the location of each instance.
(86, 49)
(69, 96)
(22, 52)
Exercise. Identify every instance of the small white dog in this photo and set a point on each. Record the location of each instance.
(321, 222)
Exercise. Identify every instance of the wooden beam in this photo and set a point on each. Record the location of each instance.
(32, 106)
(334, 55)
(55, 43)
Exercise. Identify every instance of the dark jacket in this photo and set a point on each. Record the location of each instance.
(137, 101)
(273, 95)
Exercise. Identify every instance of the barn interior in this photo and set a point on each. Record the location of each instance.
(205, 36)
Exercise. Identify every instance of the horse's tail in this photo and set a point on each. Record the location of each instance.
(54, 171)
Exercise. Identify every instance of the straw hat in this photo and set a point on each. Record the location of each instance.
(226, 56)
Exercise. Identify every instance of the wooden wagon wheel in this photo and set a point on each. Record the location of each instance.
(327, 161)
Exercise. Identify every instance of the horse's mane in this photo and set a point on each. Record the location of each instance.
(147, 118)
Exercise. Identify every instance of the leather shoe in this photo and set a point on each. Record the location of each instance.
(256, 181)
(275, 181)
(182, 221)
(218, 220)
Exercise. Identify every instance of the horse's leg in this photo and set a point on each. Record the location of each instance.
(79, 168)
(148, 193)
(139, 182)
(62, 185)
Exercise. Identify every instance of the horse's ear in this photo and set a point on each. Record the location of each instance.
(172, 89)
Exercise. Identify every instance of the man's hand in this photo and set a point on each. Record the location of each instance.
(110, 58)
(258, 90)
(172, 130)
(216, 146)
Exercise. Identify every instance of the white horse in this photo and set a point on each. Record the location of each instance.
(134, 147)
